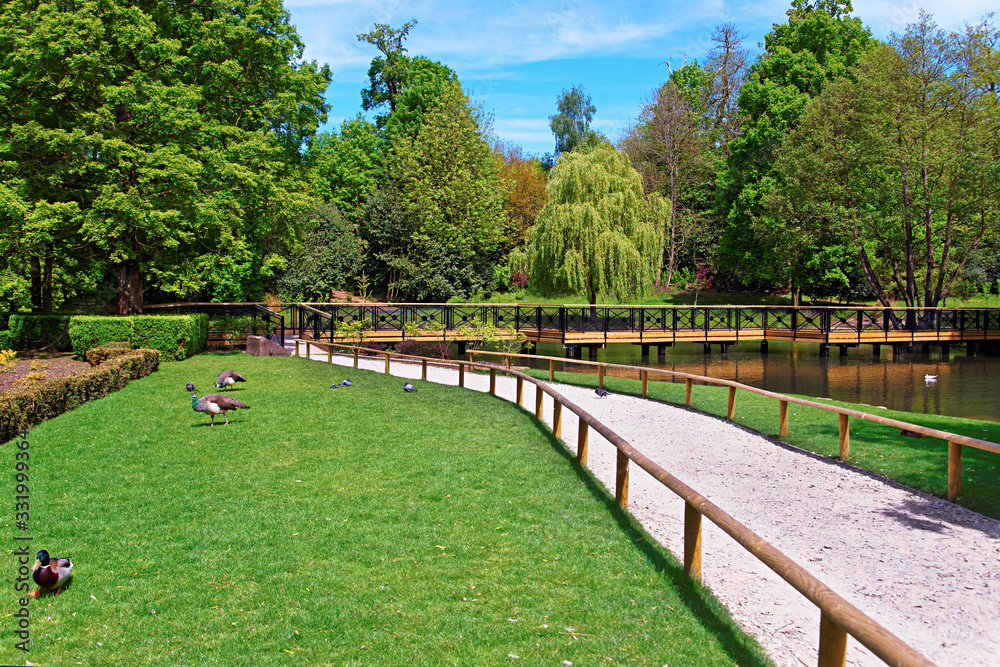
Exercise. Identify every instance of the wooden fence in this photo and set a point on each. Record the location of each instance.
(838, 617)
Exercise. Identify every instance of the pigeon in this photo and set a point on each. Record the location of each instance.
(216, 403)
(228, 379)
(408, 387)
(346, 383)
(190, 387)
(334, 386)
(601, 393)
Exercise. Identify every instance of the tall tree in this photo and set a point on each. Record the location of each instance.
(819, 43)
(388, 73)
(598, 233)
(525, 180)
(905, 160)
(348, 166)
(166, 137)
(571, 126)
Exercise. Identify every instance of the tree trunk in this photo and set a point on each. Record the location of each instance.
(129, 288)
(47, 285)
(36, 285)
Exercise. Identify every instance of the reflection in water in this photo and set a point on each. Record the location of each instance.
(965, 386)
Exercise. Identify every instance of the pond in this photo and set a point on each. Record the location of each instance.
(966, 386)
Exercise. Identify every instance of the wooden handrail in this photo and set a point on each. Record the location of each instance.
(838, 616)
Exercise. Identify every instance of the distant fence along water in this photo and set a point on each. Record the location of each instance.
(600, 325)
(838, 617)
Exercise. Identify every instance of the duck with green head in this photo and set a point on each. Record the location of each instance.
(49, 572)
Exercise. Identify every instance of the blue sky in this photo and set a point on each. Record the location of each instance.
(516, 57)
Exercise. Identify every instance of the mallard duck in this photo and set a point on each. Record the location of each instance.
(214, 404)
(50, 572)
(228, 379)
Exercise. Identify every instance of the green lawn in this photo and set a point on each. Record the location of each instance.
(356, 526)
(921, 463)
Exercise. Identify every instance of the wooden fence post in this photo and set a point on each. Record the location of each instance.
(687, 392)
(461, 374)
(508, 362)
(692, 541)
(329, 355)
(782, 419)
(355, 357)
(493, 380)
(581, 443)
(845, 437)
(621, 481)
(556, 418)
(538, 401)
(832, 643)
(954, 470)
(731, 408)
(297, 353)
(600, 376)
(552, 370)
(645, 381)
(386, 363)
(423, 369)
(308, 350)
(520, 391)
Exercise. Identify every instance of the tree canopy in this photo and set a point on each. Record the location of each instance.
(571, 126)
(160, 140)
(598, 233)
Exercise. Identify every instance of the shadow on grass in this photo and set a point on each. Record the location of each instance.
(699, 600)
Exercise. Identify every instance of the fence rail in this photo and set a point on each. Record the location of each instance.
(838, 617)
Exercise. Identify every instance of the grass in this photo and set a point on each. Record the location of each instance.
(918, 463)
(355, 526)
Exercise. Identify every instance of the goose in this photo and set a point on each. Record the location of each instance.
(50, 572)
(216, 403)
(228, 379)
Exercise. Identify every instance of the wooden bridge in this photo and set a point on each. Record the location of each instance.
(577, 326)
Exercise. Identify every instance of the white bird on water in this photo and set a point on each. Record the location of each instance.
(930, 379)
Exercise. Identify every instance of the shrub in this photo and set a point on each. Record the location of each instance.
(29, 331)
(175, 336)
(411, 346)
(6, 340)
(27, 406)
(372, 349)
(7, 358)
(441, 351)
(99, 355)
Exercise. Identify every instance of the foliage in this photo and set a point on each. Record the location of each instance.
(347, 167)
(330, 260)
(702, 280)
(175, 336)
(571, 126)
(598, 233)
(98, 355)
(411, 346)
(481, 334)
(353, 332)
(7, 359)
(902, 160)
(445, 214)
(30, 332)
(387, 74)
(525, 180)
(31, 404)
(162, 141)
(819, 44)
(440, 351)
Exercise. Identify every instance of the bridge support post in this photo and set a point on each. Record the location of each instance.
(876, 350)
(461, 347)
(925, 348)
(592, 351)
(971, 349)
(945, 350)
(661, 353)
(645, 352)
(708, 348)
(824, 349)
(724, 348)
(843, 350)
(763, 347)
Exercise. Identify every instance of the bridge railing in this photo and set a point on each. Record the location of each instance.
(838, 617)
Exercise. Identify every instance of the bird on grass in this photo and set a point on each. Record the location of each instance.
(190, 387)
(334, 386)
(346, 383)
(214, 404)
(601, 393)
(227, 379)
(408, 387)
(50, 572)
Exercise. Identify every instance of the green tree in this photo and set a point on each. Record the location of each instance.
(163, 140)
(447, 180)
(571, 126)
(598, 233)
(347, 167)
(387, 74)
(819, 44)
(330, 260)
(903, 160)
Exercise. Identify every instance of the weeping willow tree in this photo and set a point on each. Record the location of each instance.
(597, 233)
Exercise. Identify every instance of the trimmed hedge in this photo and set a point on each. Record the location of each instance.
(175, 336)
(24, 407)
(99, 355)
(29, 331)
(6, 341)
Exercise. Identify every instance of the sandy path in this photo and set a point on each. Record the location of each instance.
(926, 569)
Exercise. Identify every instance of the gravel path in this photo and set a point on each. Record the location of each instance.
(926, 569)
